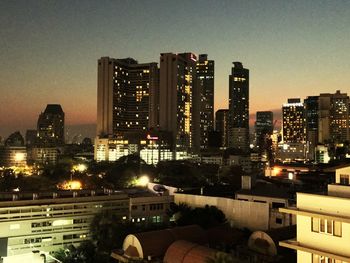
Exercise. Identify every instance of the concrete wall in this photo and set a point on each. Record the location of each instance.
(322, 241)
(241, 214)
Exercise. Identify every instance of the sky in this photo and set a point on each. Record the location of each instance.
(49, 49)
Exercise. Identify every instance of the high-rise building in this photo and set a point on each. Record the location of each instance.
(263, 131)
(239, 107)
(179, 99)
(205, 82)
(50, 126)
(293, 115)
(311, 118)
(263, 123)
(333, 118)
(221, 125)
(127, 96)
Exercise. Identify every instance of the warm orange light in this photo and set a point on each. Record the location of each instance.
(71, 185)
(276, 171)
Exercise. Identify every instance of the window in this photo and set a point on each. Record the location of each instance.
(277, 205)
(315, 224)
(326, 226)
(344, 179)
(279, 220)
(323, 259)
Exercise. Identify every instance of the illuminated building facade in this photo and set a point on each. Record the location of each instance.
(47, 222)
(151, 148)
(323, 223)
(127, 94)
(50, 127)
(205, 82)
(13, 152)
(333, 117)
(293, 115)
(221, 125)
(41, 155)
(239, 107)
(179, 100)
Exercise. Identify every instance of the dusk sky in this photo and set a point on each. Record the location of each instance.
(49, 49)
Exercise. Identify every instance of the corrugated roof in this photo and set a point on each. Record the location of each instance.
(182, 251)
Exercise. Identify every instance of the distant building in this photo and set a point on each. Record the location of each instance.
(42, 155)
(239, 107)
(127, 96)
(311, 123)
(205, 82)
(333, 118)
(151, 147)
(48, 222)
(179, 100)
(293, 115)
(323, 223)
(263, 132)
(322, 154)
(221, 125)
(31, 137)
(13, 152)
(50, 127)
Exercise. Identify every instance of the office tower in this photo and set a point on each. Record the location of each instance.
(239, 107)
(293, 115)
(221, 125)
(311, 118)
(126, 96)
(205, 82)
(179, 100)
(263, 130)
(50, 126)
(333, 118)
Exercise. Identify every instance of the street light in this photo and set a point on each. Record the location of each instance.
(143, 180)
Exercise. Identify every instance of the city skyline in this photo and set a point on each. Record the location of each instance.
(42, 59)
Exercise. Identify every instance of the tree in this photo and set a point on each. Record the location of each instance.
(208, 216)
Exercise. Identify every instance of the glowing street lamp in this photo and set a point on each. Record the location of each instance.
(143, 180)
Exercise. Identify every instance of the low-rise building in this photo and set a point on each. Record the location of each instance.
(49, 221)
(323, 223)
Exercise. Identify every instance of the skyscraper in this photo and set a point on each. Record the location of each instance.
(221, 125)
(205, 82)
(311, 117)
(333, 118)
(179, 99)
(239, 107)
(127, 96)
(50, 126)
(263, 128)
(293, 115)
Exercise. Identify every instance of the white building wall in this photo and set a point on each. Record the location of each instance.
(240, 214)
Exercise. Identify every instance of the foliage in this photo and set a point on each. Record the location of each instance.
(221, 257)
(179, 174)
(206, 217)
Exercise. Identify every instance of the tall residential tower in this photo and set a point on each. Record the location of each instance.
(127, 96)
(179, 100)
(239, 107)
(205, 82)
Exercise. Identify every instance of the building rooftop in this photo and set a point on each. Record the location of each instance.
(267, 190)
(54, 109)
